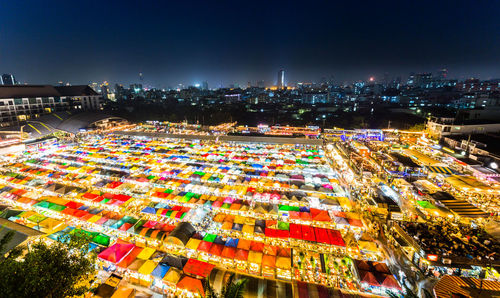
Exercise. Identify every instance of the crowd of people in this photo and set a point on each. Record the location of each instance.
(450, 240)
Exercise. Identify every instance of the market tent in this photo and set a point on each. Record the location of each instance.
(116, 252)
(198, 268)
(368, 246)
(146, 253)
(232, 242)
(172, 277)
(136, 264)
(335, 238)
(244, 244)
(191, 284)
(255, 257)
(269, 261)
(128, 259)
(216, 249)
(181, 234)
(440, 170)
(241, 255)
(283, 262)
(147, 267)
(174, 261)
(228, 252)
(390, 282)
(124, 292)
(160, 271)
(204, 246)
(193, 243)
(426, 204)
(369, 278)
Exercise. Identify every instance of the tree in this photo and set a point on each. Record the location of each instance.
(56, 269)
(231, 289)
(417, 127)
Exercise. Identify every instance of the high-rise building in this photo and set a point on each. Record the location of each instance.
(281, 79)
(8, 79)
(261, 84)
(443, 74)
(204, 85)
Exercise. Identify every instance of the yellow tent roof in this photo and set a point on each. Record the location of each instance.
(94, 218)
(123, 292)
(146, 253)
(193, 243)
(367, 245)
(147, 267)
(173, 275)
(255, 257)
(283, 263)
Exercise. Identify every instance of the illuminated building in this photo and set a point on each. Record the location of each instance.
(22, 102)
(8, 79)
(281, 79)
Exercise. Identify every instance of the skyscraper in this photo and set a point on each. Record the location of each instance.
(204, 85)
(281, 79)
(443, 74)
(8, 79)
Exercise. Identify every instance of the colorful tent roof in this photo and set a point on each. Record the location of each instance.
(198, 268)
(116, 252)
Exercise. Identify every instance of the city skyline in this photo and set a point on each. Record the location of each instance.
(224, 44)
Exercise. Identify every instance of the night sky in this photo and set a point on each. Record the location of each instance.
(225, 42)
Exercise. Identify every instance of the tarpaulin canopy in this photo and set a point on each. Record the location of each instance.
(146, 253)
(255, 257)
(204, 246)
(198, 268)
(128, 259)
(147, 267)
(369, 278)
(228, 252)
(390, 282)
(172, 277)
(216, 249)
(160, 271)
(191, 284)
(269, 261)
(116, 252)
(241, 254)
(283, 262)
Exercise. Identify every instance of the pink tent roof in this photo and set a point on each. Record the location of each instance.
(116, 252)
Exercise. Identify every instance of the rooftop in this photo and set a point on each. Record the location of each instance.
(25, 91)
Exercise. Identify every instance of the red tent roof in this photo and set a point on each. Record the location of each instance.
(369, 278)
(390, 282)
(295, 231)
(191, 284)
(257, 246)
(321, 235)
(198, 268)
(241, 254)
(335, 238)
(229, 252)
(204, 246)
(307, 233)
(216, 249)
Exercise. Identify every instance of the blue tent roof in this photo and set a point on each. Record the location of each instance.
(160, 271)
(232, 242)
(149, 210)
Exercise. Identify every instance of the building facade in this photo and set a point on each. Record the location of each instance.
(19, 103)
